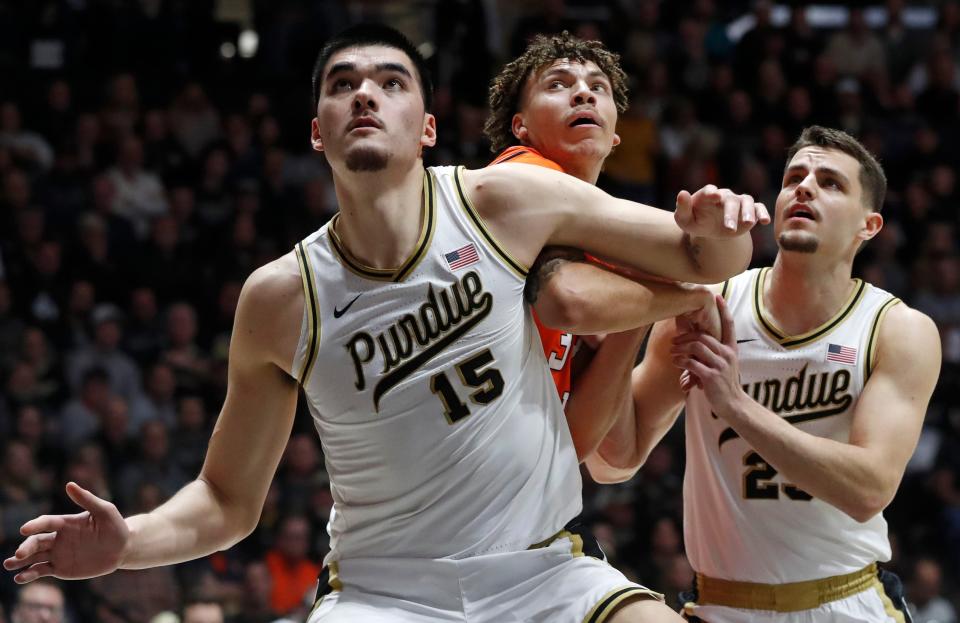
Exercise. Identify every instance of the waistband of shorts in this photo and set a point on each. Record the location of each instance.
(790, 597)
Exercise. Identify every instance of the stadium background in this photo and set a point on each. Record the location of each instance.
(154, 152)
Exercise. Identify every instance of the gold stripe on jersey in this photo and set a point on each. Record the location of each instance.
(609, 602)
(725, 289)
(792, 341)
(870, 360)
(427, 227)
(313, 317)
(478, 223)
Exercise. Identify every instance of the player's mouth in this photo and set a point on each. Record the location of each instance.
(585, 118)
(801, 211)
(366, 121)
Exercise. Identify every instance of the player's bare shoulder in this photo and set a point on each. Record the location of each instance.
(909, 342)
(516, 186)
(270, 311)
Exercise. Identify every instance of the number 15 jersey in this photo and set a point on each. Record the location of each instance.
(442, 431)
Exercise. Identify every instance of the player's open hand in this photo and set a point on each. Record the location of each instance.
(714, 212)
(710, 363)
(71, 547)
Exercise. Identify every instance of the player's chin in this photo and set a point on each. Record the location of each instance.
(366, 158)
(798, 241)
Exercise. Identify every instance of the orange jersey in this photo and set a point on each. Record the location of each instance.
(558, 346)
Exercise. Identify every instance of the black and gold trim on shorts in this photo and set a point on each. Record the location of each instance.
(327, 582)
(474, 217)
(609, 602)
(582, 541)
(793, 341)
(871, 359)
(427, 228)
(312, 309)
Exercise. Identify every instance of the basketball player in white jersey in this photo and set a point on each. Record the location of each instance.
(804, 413)
(453, 474)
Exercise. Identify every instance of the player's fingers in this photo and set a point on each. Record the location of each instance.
(31, 560)
(97, 507)
(39, 570)
(763, 215)
(44, 523)
(701, 351)
(728, 335)
(731, 211)
(37, 544)
(748, 211)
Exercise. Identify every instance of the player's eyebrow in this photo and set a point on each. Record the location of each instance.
(347, 67)
(553, 71)
(820, 169)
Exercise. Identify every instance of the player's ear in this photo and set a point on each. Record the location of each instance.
(315, 139)
(518, 128)
(616, 139)
(428, 137)
(872, 225)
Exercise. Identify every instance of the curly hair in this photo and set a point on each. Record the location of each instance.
(507, 87)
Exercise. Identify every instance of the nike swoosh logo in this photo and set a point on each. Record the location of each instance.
(339, 312)
(751, 339)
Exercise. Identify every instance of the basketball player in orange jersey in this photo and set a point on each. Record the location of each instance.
(556, 106)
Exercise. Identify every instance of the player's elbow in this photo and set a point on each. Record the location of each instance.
(864, 507)
(734, 259)
(563, 305)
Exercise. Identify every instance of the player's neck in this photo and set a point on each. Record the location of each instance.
(801, 294)
(380, 215)
(587, 172)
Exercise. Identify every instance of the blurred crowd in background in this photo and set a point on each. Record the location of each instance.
(154, 152)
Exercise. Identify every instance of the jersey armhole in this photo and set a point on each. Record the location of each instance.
(870, 361)
(309, 342)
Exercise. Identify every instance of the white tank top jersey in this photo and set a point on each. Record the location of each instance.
(742, 520)
(441, 428)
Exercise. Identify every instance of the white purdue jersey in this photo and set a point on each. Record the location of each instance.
(441, 428)
(742, 520)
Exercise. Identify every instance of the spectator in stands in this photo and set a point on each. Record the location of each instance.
(39, 602)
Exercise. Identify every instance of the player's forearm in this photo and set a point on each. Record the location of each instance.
(851, 478)
(585, 299)
(195, 522)
(657, 399)
(718, 259)
(601, 393)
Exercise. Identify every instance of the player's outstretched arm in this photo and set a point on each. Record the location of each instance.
(223, 505)
(656, 402)
(860, 477)
(577, 296)
(527, 207)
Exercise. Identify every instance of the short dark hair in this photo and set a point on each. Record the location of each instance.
(367, 35)
(872, 178)
(507, 87)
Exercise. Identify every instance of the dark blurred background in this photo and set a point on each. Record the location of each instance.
(154, 152)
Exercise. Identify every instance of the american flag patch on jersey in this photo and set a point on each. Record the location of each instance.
(842, 354)
(464, 256)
